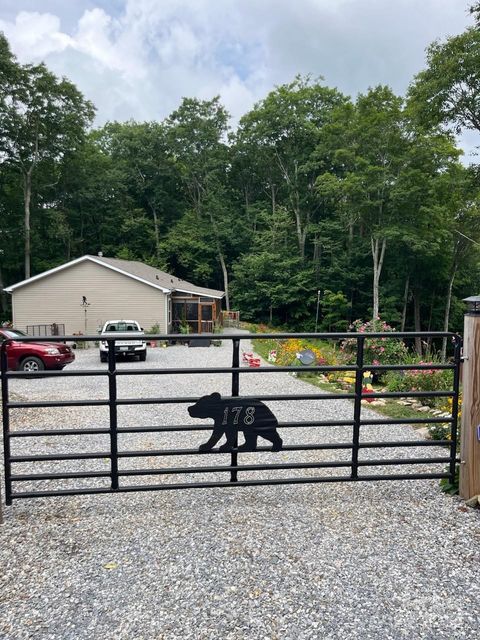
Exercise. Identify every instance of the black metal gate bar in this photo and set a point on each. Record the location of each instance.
(6, 426)
(234, 468)
(192, 399)
(227, 484)
(228, 468)
(112, 397)
(190, 427)
(235, 393)
(357, 405)
(456, 390)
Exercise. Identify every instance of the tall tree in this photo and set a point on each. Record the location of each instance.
(447, 92)
(374, 152)
(271, 282)
(42, 118)
(197, 133)
(281, 133)
(140, 151)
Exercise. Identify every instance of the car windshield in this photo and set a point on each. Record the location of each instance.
(121, 326)
(14, 333)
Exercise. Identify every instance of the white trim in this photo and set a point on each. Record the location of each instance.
(42, 275)
(197, 293)
(77, 261)
(165, 300)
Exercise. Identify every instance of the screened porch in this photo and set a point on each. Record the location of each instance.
(195, 314)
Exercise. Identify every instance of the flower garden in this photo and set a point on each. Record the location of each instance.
(377, 351)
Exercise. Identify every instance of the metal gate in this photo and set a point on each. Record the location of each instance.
(20, 468)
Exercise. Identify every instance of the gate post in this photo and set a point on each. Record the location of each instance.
(470, 435)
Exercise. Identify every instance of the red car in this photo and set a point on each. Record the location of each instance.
(35, 356)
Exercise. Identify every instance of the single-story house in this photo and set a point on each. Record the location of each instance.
(79, 296)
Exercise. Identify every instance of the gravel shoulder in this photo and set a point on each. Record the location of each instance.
(387, 560)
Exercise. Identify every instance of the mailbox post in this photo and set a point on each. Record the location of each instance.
(470, 435)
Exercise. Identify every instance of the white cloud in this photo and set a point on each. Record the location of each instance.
(137, 59)
(35, 35)
(105, 40)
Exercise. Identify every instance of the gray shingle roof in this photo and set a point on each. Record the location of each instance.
(157, 277)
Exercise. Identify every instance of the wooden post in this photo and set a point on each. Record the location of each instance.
(470, 443)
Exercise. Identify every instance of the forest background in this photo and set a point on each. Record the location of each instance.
(360, 205)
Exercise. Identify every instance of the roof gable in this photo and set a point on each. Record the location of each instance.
(136, 270)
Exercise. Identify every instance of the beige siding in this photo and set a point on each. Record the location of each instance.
(58, 298)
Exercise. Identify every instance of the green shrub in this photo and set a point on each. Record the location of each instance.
(439, 431)
(376, 350)
(421, 380)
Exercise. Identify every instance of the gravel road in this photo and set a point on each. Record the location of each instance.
(386, 560)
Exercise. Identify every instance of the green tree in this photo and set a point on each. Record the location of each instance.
(447, 92)
(334, 311)
(271, 282)
(373, 153)
(141, 152)
(197, 134)
(278, 136)
(92, 193)
(41, 120)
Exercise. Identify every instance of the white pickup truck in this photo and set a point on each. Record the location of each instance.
(129, 339)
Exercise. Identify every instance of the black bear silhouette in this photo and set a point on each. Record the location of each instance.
(231, 415)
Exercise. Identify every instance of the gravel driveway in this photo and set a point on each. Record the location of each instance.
(382, 560)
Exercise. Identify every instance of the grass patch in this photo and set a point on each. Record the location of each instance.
(391, 409)
(263, 347)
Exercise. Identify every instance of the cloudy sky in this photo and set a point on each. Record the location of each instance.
(137, 58)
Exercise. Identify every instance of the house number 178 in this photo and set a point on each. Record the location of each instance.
(248, 418)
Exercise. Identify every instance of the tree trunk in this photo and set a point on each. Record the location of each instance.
(294, 198)
(301, 233)
(405, 302)
(225, 279)
(446, 317)
(378, 254)
(428, 347)
(156, 230)
(317, 255)
(272, 188)
(27, 196)
(416, 318)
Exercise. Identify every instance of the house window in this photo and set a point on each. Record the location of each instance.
(207, 313)
(192, 310)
